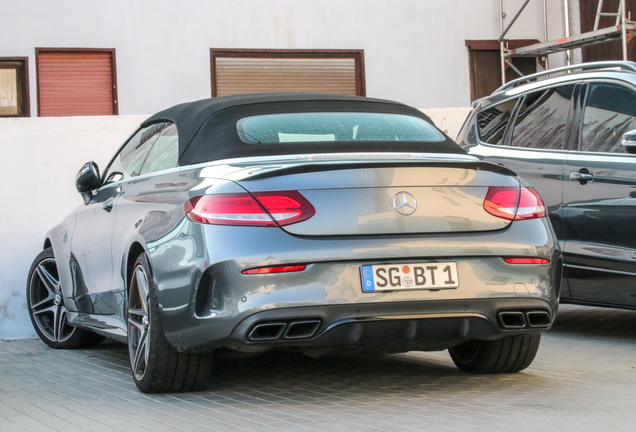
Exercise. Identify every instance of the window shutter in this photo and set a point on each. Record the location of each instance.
(75, 83)
(244, 73)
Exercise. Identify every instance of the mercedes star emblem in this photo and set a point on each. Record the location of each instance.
(405, 203)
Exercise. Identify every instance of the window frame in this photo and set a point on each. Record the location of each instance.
(113, 69)
(584, 95)
(23, 94)
(506, 133)
(571, 120)
(148, 143)
(567, 125)
(356, 54)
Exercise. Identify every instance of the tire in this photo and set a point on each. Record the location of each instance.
(45, 303)
(506, 355)
(156, 366)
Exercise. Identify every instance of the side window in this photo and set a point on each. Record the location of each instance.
(610, 111)
(164, 153)
(492, 122)
(128, 162)
(542, 118)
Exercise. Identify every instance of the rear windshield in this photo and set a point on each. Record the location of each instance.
(335, 126)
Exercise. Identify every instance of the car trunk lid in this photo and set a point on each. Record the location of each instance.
(387, 198)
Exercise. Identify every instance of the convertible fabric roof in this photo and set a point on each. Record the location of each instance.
(207, 128)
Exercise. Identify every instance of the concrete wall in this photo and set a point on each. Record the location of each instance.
(414, 49)
(38, 163)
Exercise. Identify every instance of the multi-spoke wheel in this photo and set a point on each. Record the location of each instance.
(156, 366)
(46, 307)
(138, 322)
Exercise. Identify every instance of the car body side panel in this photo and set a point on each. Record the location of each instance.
(60, 240)
(91, 254)
(600, 247)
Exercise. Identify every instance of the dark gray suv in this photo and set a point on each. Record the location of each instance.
(571, 133)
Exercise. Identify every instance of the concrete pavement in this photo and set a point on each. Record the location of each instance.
(583, 379)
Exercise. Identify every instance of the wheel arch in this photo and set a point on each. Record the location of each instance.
(134, 251)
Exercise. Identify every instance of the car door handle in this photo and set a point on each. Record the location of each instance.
(582, 176)
(108, 205)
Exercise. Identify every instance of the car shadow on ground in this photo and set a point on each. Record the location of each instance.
(282, 372)
(587, 321)
(277, 375)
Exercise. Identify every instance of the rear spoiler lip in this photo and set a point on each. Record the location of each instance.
(308, 167)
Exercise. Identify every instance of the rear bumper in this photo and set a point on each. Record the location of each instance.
(386, 327)
(207, 303)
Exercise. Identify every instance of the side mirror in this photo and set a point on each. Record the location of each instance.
(629, 141)
(87, 180)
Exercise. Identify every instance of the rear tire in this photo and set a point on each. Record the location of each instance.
(156, 366)
(506, 355)
(45, 303)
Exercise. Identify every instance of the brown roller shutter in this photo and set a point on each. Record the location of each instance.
(264, 71)
(76, 83)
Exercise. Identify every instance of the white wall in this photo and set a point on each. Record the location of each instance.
(38, 163)
(414, 49)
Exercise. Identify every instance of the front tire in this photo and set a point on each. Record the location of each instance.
(156, 366)
(506, 355)
(45, 303)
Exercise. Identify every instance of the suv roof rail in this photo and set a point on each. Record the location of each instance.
(621, 65)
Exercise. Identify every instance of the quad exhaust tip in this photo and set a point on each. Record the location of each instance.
(515, 320)
(284, 330)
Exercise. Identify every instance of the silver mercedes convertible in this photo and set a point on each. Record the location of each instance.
(320, 223)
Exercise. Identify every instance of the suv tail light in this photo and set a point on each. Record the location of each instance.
(514, 203)
(258, 209)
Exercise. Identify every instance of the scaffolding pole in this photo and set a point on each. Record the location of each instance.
(624, 29)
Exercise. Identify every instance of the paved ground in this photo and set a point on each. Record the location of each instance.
(583, 379)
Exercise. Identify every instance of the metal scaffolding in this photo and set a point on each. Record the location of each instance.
(623, 29)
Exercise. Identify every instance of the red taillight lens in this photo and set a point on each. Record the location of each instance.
(526, 261)
(277, 269)
(259, 209)
(514, 203)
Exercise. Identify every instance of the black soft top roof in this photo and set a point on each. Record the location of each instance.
(207, 128)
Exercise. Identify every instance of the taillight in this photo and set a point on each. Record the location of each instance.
(526, 261)
(258, 209)
(274, 269)
(514, 203)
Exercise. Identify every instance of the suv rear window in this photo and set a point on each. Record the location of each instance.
(335, 127)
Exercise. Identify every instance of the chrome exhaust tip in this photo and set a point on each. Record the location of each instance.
(267, 331)
(538, 319)
(512, 320)
(302, 329)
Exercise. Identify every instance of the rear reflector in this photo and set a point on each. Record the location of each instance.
(279, 269)
(526, 261)
(514, 203)
(245, 209)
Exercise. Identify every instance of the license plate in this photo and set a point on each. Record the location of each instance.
(431, 276)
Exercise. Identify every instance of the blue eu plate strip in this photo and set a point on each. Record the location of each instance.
(368, 283)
